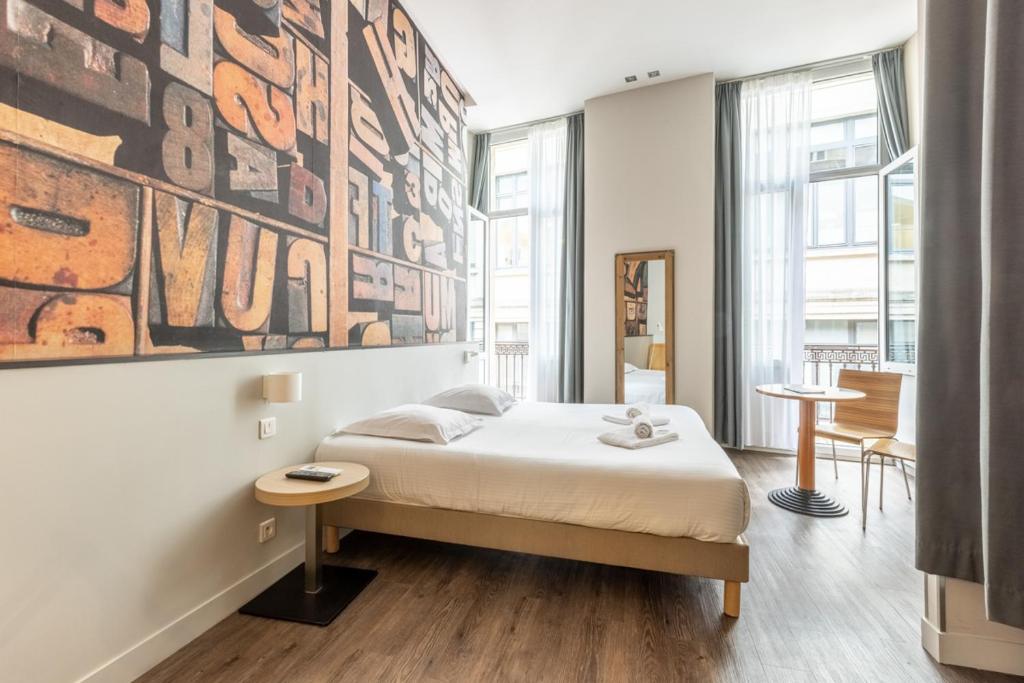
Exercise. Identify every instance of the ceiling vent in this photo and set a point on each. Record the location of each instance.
(630, 79)
(653, 74)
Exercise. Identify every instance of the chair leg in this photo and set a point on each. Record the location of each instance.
(835, 465)
(881, 480)
(865, 468)
(906, 481)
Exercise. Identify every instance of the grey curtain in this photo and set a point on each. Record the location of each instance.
(891, 85)
(571, 385)
(728, 212)
(479, 175)
(970, 516)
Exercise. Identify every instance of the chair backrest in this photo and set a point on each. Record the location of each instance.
(880, 410)
(656, 357)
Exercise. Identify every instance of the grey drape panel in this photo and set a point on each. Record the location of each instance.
(571, 389)
(891, 85)
(970, 507)
(728, 219)
(479, 193)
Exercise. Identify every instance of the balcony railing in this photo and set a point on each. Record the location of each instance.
(822, 363)
(509, 367)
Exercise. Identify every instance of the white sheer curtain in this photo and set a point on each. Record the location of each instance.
(775, 120)
(547, 233)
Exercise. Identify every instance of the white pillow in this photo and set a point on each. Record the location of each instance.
(474, 398)
(416, 423)
(629, 367)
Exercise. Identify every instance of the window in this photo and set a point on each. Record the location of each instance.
(844, 212)
(512, 191)
(512, 242)
(844, 161)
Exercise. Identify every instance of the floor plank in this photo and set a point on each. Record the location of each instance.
(825, 602)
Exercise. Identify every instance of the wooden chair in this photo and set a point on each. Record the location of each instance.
(874, 417)
(885, 448)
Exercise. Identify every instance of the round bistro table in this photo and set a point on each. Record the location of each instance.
(804, 497)
(312, 593)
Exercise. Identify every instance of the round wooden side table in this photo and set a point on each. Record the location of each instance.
(311, 593)
(805, 498)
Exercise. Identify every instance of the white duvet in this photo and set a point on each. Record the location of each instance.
(543, 461)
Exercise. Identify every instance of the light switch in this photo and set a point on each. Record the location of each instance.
(268, 427)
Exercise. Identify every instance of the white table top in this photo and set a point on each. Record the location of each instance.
(829, 393)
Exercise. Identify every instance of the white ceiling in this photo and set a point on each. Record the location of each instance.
(523, 60)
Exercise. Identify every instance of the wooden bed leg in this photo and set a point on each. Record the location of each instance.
(732, 599)
(331, 544)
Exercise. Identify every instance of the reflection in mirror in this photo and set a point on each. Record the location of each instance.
(643, 334)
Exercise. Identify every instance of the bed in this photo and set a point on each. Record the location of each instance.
(645, 386)
(536, 480)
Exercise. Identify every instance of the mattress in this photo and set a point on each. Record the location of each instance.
(543, 461)
(645, 386)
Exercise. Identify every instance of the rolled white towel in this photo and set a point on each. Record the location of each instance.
(637, 409)
(643, 427)
(657, 421)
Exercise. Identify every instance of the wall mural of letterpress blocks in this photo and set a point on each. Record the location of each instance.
(635, 295)
(224, 176)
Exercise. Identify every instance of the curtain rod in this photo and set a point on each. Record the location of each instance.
(811, 65)
(527, 124)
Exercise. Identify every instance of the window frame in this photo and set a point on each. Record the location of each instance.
(909, 369)
(849, 121)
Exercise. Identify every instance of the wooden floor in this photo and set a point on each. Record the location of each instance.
(825, 602)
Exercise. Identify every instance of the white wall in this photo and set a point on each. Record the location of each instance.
(650, 185)
(126, 493)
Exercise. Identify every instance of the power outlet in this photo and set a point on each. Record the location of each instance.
(268, 427)
(267, 530)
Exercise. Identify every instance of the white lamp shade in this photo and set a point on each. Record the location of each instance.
(283, 387)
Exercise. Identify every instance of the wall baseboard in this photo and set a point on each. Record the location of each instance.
(976, 652)
(143, 656)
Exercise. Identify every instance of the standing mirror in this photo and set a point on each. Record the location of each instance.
(644, 327)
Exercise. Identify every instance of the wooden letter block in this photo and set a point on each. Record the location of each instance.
(408, 289)
(359, 209)
(63, 226)
(307, 198)
(306, 14)
(188, 144)
(402, 101)
(366, 125)
(186, 237)
(186, 37)
(311, 93)
(270, 57)
(404, 42)
(36, 45)
(39, 325)
(254, 169)
(248, 285)
(251, 105)
(383, 236)
(372, 279)
(307, 287)
(131, 16)
(432, 302)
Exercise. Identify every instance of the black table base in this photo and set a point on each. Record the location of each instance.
(811, 503)
(287, 599)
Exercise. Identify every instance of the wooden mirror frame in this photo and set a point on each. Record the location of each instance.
(668, 256)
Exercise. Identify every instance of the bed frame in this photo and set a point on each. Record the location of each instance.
(728, 562)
